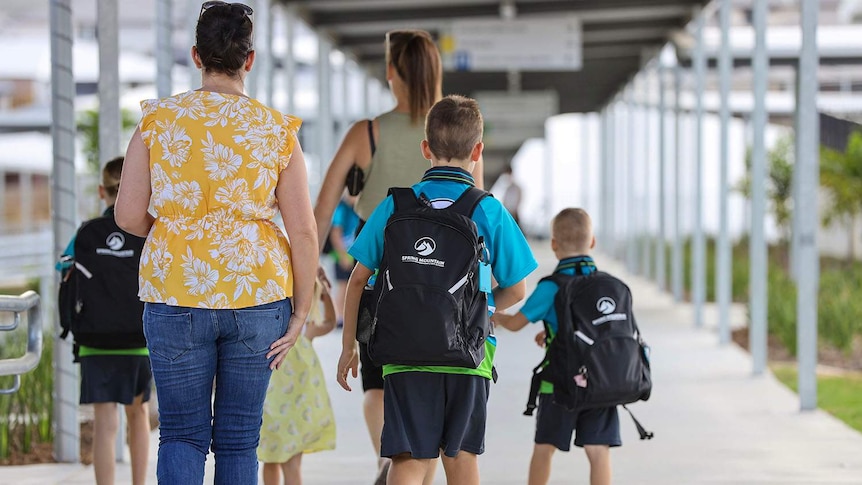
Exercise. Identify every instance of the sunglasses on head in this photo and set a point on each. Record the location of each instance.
(208, 5)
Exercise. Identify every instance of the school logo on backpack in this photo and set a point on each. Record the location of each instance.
(98, 299)
(430, 310)
(598, 357)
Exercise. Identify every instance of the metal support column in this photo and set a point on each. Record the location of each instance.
(251, 80)
(631, 182)
(808, 170)
(757, 294)
(794, 187)
(661, 242)
(645, 204)
(346, 99)
(323, 126)
(25, 199)
(603, 180)
(109, 79)
(110, 126)
(586, 168)
(193, 8)
(676, 255)
(699, 243)
(624, 226)
(288, 62)
(547, 164)
(610, 174)
(723, 285)
(265, 24)
(63, 203)
(164, 48)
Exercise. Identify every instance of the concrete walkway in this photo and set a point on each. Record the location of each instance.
(714, 423)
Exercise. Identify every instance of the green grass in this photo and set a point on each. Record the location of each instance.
(838, 395)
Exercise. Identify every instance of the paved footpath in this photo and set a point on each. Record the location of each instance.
(714, 423)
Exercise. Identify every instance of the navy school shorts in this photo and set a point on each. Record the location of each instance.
(427, 412)
(555, 425)
(115, 378)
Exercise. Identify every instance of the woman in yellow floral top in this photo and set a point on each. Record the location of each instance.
(225, 293)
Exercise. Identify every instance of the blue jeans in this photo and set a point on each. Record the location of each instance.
(189, 349)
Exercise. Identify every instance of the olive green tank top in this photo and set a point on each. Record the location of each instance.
(397, 161)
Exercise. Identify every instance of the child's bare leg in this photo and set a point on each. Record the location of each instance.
(406, 470)
(430, 472)
(272, 474)
(463, 469)
(540, 464)
(292, 469)
(600, 464)
(105, 424)
(372, 406)
(138, 418)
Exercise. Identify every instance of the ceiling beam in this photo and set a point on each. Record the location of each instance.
(587, 10)
(603, 51)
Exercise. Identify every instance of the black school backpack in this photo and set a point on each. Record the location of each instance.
(430, 310)
(98, 297)
(598, 357)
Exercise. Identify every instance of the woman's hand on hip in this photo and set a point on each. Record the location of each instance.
(279, 349)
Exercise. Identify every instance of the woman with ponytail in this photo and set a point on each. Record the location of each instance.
(381, 153)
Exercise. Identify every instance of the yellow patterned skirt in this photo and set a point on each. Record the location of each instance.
(297, 413)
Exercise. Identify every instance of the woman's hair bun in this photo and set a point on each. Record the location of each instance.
(223, 38)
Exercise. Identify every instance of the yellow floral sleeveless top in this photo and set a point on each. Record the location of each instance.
(214, 165)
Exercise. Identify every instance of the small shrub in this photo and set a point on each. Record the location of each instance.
(840, 306)
(25, 416)
(781, 307)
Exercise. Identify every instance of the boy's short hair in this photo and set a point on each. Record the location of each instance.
(111, 176)
(453, 127)
(573, 229)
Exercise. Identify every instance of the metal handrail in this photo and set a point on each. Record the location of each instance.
(28, 302)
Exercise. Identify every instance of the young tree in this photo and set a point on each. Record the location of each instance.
(841, 175)
(779, 187)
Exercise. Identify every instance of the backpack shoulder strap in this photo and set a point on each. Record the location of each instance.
(468, 201)
(404, 198)
(536, 380)
(558, 278)
(88, 230)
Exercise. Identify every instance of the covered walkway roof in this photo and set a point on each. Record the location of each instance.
(618, 36)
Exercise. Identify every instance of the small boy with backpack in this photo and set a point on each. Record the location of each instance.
(98, 303)
(575, 369)
(436, 246)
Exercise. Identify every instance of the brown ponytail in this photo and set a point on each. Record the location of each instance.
(414, 56)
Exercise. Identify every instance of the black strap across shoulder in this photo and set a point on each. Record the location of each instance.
(371, 137)
(404, 198)
(468, 201)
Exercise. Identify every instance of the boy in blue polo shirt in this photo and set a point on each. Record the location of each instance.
(432, 408)
(597, 429)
